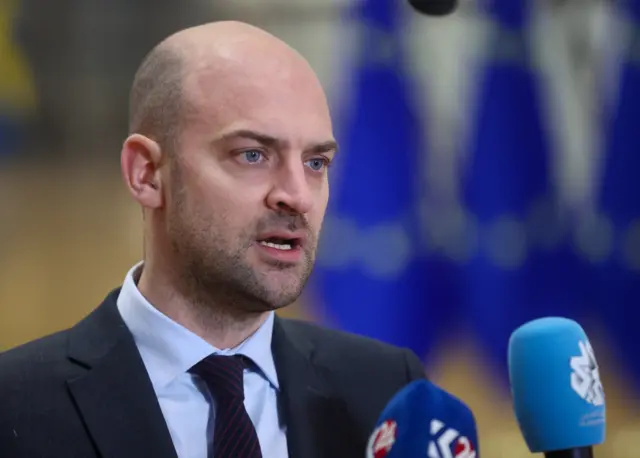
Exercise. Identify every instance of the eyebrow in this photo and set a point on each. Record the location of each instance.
(273, 142)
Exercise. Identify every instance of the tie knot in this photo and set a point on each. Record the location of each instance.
(223, 375)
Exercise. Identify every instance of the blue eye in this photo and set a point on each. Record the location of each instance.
(252, 156)
(317, 164)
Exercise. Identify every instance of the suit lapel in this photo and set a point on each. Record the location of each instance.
(317, 420)
(115, 397)
(117, 402)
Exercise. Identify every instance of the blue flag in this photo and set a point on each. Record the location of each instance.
(619, 275)
(370, 275)
(522, 267)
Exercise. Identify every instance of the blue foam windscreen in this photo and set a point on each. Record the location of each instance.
(424, 421)
(557, 394)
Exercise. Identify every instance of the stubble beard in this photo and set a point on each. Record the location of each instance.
(215, 272)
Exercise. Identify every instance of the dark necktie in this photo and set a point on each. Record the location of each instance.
(234, 435)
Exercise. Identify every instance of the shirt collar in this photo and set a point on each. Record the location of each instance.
(168, 349)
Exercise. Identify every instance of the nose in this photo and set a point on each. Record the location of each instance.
(290, 191)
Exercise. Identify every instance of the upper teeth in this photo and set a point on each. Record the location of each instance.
(278, 246)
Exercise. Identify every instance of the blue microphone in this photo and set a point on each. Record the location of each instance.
(557, 394)
(424, 421)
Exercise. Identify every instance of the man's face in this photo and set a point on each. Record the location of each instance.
(249, 186)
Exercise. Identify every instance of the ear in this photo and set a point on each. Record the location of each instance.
(140, 162)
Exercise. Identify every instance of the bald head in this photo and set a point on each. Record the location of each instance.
(166, 83)
(246, 126)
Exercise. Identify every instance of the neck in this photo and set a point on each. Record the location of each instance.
(221, 325)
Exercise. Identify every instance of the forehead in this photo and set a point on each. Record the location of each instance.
(273, 96)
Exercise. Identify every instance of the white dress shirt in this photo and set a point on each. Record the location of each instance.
(169, 350)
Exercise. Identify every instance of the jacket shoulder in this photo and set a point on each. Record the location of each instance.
(362, 373)
(32, 359)
(339, 349)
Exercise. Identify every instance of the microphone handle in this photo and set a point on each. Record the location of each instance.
(582, 452)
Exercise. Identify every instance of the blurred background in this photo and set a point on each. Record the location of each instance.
(488, 176)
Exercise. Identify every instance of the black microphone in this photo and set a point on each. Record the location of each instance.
(434, 7)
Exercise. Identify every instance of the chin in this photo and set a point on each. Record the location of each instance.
(280, 296)
(278, 301)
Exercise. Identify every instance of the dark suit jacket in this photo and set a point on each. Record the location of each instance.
(84, 392)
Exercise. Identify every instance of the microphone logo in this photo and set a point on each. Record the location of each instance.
(585, 375)
(382, 439)
(449, 444)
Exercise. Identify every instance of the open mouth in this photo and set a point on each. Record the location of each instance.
(280, 243)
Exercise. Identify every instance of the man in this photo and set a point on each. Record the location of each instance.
(230, 142)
